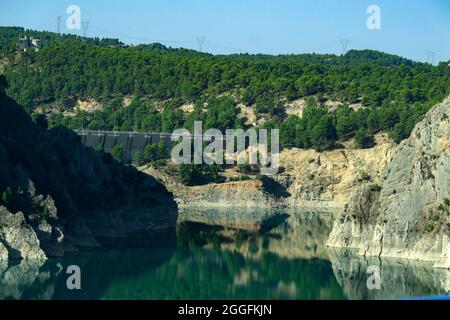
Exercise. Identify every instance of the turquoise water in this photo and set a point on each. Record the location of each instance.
(287, 262)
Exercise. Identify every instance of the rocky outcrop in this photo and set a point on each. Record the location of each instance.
(322, 181)
(3, 252)
(326, 180)
(258, 193)
(263, 193)
(409, 215)
(58, 196)
(18, 237)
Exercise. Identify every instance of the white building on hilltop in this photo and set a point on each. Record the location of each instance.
(27, 43)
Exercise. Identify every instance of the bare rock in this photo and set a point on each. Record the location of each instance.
(410, 218)
(3, 252)
(18, 237)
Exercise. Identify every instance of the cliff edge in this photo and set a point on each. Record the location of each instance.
(408, 216)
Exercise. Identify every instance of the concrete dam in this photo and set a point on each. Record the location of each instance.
(131, 141)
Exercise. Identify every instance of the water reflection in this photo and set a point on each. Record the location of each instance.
(400, 278)
(280, 257)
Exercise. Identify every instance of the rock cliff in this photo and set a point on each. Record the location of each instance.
(57, 196)
(326, 180)
(409, 215)
(322, 181)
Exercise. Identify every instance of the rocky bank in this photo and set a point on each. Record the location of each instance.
(307, 179)
(409, 215)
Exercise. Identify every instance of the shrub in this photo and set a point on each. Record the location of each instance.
(430, 227)
(6, 196)
(362, 139)
(151, 152)
(45, 214)
(364, 176)
(137, 158)
(117, 153)
(99, 147)
(375, 188)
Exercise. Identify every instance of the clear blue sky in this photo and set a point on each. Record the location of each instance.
(410, 28)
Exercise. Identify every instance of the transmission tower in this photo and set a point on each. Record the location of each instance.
(85, 26)
(58, 24)
(200, 42)
(431, 56)
(344, 44)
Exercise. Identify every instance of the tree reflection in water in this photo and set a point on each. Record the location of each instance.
(287, 260)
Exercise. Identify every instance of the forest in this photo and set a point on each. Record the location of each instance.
(394, 92)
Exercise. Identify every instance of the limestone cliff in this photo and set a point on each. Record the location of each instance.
(308, 179)
(409, 216)
(57, 196)
(326, 180)
(258, 193)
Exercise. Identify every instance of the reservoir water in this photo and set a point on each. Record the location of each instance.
(282, 258)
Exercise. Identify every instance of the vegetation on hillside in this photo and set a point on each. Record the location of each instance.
(396, 91)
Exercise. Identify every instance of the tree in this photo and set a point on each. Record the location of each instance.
(214, 170)
(373, 121)
(323, 134)
(117, 153)
(151, 152)
(190, 174)
(243, 168)
(362, 139)
(3, 84)
(70, 67)
(162, 149)
(6, 196)
(99, 147)
(344, 122)
(137, 158)
(40, 119)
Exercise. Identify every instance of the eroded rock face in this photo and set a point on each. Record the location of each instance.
(3, 252)
(326, 180)
(17, 237)
(322, 181)
(259, 193)
(410, 216)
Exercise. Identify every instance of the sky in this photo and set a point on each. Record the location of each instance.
(416, 29)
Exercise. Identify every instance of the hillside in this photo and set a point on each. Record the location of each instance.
(57, 196)
(390, 93)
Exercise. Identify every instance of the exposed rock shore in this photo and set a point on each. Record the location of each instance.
(309, 179)
(409, 216)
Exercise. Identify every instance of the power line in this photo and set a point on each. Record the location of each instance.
(121, 35)
(431, 56)
(201, 42)
(344, 44)
(85, 26)
(58, 24)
